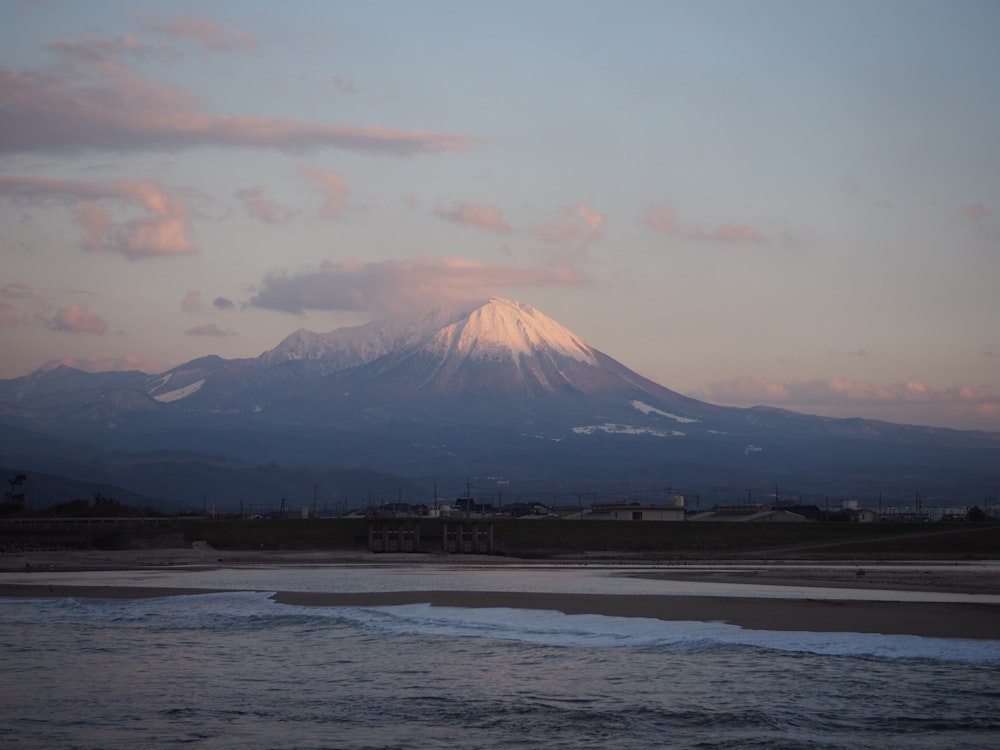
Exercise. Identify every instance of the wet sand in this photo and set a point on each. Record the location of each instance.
(933, 619)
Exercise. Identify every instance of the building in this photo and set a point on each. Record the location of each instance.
(638, 511)
(749, 513)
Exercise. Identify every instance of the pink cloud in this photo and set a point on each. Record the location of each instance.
(977, 212)
(191, 302)
(105, 364)
(479, 216)
(165, 232)
(261, 208)
(207, 34)
(20, 305)
(97, 102)
(664, 220)
(97, 225)
(910, 401)
(331, 187)
(848, 185)
(577, 225)
(163, 229)
(78, 319)
(396, 287)
(209, 329)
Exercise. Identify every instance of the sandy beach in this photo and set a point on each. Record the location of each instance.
(932, 619)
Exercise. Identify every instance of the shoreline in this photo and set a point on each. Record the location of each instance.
(976, 620)
(926, 619)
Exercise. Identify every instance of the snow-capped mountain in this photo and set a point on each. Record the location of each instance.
(502, 391)
(502, 329)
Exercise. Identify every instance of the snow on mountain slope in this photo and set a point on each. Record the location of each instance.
(356, 345)
(647, 409)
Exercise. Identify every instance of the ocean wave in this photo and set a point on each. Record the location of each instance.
(257, 610)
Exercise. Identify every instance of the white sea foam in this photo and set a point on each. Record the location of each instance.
(526, 625)
(556, 628)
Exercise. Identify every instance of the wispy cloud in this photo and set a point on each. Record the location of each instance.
(78, 319)
(110, 55)
(209, 329)
(981, 217)
(221, 303)
(849, 185)
(205, 34)
(475, 215)
(848, 397)
(396, 287)
(977, 212)
(331, 187)
(191, 302)
(94, 100)
(264, 209)
(21, 305)
(664, 220)
(162, 230)
(343, 84)
(576, 225)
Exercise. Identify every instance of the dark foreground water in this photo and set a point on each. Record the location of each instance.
(239, 671)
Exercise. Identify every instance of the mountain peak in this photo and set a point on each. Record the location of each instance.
(506, 329)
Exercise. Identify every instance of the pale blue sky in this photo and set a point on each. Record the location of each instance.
(787, 203)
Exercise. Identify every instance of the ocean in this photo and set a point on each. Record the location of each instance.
(237, 670)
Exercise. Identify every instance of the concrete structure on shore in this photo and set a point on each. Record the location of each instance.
(459, 533)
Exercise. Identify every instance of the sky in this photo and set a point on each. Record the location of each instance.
(775, 202)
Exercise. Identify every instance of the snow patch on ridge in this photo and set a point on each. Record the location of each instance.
(357, 345)
(647, 409)
(612, 428)
(179, 393)
(160, 382)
